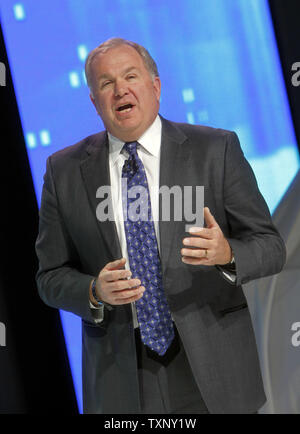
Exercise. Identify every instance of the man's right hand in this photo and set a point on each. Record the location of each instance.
(114, 287)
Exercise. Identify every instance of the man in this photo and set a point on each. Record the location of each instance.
(179, 340)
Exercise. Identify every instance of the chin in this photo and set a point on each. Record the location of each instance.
(128, 133)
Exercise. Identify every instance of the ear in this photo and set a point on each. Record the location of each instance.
(93, 100)
(94, 103)
(157, 87)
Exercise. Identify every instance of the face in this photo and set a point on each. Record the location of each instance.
(124, 93)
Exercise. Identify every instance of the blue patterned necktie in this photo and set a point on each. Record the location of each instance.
(153, 311)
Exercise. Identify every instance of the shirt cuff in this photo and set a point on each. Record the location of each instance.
(97, 312)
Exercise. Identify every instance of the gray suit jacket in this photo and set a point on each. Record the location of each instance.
(211, 314)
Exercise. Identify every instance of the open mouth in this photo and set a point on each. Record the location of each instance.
(125, 108)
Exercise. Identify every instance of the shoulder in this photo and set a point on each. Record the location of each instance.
(77, 152)
(203, 141)
(196, 132)
(81, 148)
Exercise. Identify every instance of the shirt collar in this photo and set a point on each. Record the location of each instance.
(150, 141)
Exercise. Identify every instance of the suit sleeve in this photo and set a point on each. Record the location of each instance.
(258, 248)
(60, 283)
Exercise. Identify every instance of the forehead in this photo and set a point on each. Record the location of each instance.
(116, 60)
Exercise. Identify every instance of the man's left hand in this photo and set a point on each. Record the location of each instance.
(206, 246)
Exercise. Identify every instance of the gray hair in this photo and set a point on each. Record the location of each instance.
(115, 42)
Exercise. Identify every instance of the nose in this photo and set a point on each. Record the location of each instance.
(120, 88)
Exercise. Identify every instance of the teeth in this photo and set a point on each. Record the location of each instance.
(126, 110)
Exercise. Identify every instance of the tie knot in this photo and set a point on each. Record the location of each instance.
(130, 147)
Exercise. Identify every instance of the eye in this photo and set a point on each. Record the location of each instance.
(131, 76)
(105, 83)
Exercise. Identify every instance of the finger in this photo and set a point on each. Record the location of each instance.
(119, 263)
(127, 300)
(130, 296)
(201, 232)
(194, 253)
(120, 285)
(196, 261)
(209, 218)
(112, 276)
(197, 242)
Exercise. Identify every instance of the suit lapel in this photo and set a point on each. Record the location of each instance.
(173, 167)
(95, 173)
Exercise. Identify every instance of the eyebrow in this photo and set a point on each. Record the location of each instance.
(129, 69)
